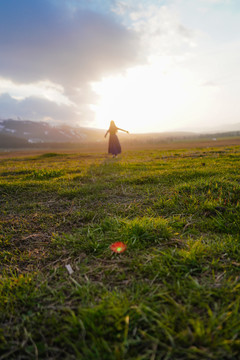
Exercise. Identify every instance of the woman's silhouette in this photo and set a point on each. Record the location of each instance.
(114, 146)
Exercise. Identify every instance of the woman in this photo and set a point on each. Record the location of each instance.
(114, 146)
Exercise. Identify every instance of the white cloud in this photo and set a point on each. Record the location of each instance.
(41, 89)
(35, 108)
(217, 1)
(158, 26)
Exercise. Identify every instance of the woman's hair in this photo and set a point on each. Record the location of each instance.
(112, 124)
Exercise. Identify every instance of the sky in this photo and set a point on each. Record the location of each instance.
(149, 65)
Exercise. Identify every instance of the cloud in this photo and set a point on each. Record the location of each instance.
(210, 84)
(41, 39)
(42, 89)
(33, 108)
(65, 43)
(217, 1)
(158, 26)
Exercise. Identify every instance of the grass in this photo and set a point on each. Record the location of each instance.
(173, 294)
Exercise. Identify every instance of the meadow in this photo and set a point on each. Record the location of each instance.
(172, 295)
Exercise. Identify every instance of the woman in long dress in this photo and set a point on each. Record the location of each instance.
(114, 146)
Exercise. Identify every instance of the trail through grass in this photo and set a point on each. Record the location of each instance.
(173, 294)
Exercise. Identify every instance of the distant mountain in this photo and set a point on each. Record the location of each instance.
(31, 134)
(41, 132)
(228, 128)
(216, 129)
(9, 141)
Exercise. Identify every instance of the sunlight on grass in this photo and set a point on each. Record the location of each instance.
(174, 292)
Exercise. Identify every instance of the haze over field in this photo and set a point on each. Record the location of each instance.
(151, 65)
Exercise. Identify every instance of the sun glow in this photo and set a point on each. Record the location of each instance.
(145, 99)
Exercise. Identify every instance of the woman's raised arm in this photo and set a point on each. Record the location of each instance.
(123, 130)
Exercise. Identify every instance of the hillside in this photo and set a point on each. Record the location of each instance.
(10, 141)
(29, 134)
(42, 132)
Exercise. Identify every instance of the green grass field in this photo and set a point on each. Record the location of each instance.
(173, 294)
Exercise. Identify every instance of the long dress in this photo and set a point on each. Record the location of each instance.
(114, 146)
